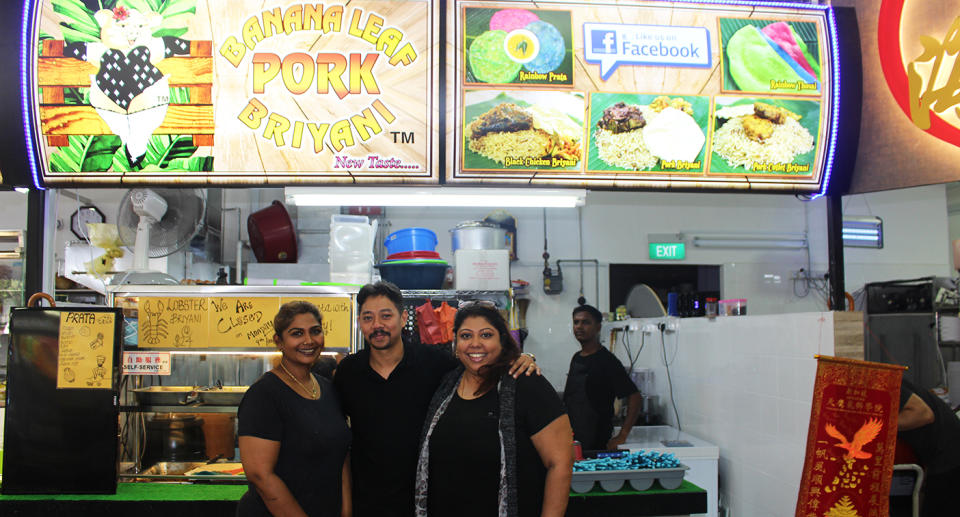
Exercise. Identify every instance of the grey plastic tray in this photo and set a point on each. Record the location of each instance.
(613, 480)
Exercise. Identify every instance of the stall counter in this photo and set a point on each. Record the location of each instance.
(208, 500)
(700, 455)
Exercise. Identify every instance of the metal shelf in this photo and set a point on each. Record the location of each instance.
(179, 409)
(448, 293)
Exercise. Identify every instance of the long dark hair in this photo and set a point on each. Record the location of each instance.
(509, 352)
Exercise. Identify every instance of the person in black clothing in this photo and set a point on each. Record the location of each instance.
(385, 389)
(932, 430)
(326, 365)
(508, 442)
(293, 438)
(596, 378)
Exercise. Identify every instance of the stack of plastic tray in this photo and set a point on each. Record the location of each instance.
(614, 480)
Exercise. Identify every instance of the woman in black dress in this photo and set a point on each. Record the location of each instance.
(493, 445)
(294, 440)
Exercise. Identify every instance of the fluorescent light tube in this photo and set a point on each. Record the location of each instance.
(862, 231)
(435, 196)
(746, 243)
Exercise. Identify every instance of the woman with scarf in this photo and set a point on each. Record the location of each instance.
(492, 444)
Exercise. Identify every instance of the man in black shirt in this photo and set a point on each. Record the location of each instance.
(596, 378)
(385, 390)
(932, 430)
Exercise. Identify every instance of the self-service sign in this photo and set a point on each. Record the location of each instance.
(667, 251)
(146, 363)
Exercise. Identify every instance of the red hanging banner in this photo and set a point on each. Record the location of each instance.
(851, 439)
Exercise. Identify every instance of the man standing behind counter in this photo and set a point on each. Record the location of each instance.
(596, 378)
(385, 390)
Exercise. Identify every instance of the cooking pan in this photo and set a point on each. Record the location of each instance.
(224, 396)
(166, 395)
(272, 236)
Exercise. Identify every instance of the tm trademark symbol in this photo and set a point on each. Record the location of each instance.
(405, 137)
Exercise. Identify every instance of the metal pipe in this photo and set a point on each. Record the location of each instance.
(596, 264)
(237, 278)
(33, 261)
(835, 251)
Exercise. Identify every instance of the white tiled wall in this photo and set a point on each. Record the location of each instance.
(745, 384)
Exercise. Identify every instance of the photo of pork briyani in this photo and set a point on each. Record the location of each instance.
(528, 130)
(647, 132)
(763, 135)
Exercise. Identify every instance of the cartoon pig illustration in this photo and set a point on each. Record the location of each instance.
(128, 91)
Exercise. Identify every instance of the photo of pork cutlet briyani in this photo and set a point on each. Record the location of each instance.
(644, 132)
(508, 132)
(766, 132)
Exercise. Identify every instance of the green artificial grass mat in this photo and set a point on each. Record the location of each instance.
(149, 492)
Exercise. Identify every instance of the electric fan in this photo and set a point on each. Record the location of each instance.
(157, 222)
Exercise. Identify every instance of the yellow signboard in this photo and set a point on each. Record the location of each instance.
(231, 321)
(86, 348)
(337, 319)
(175, 322)
(242, 321)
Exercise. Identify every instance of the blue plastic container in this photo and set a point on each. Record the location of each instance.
(411, 239)
(414, 276)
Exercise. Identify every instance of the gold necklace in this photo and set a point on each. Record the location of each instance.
(314, 391)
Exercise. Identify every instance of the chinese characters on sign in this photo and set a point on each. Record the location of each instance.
(146, 363)
(851, 438)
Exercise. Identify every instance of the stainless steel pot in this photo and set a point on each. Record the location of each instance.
(478, 235)
(176, 438)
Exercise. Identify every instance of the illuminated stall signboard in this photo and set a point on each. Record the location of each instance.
(665, 95)
(235, 92)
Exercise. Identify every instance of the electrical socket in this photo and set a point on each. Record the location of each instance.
(671, 324)
(811, 275)
(634, 326)
(649, 328)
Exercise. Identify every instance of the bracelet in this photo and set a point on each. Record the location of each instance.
(531, 356)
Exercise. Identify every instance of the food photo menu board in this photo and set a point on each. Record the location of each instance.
(235, 91)
(670, 95)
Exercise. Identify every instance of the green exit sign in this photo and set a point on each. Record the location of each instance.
(667, 251)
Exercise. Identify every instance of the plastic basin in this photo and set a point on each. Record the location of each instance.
(413, 275)
(419, 254)
(411, 239)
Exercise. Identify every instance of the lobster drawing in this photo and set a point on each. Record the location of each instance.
(154, 329)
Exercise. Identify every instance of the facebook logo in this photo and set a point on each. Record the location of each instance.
(603, 42)
(613, 44)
